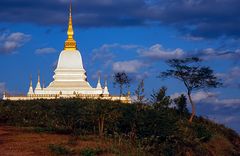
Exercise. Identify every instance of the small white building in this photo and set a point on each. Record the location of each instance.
(70, 80)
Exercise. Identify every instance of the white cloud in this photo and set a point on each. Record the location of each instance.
(201, 96)
(211, 98)
(142, 75)
(9, 43)
(45, 51)
(158, 52)
(227, 102)
(198, 96)
(215, 99)
(229, 119)
(210, 53)
(189, 37)
(231, 78)
(108, 51)
(175, 95)
(128, 66)
(118, 46)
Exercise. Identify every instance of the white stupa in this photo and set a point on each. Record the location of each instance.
(69, 80)
(70, 76)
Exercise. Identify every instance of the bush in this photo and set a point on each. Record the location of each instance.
(158, 131)
(91, 152)
(60, 150)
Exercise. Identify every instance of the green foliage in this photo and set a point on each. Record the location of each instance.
(202, 133)
(161, 131)
(193, 76)
(60, 150)
(139, 92)
(191, 73)
(181, 103)
(160, 99)
(91, 152)
(121, 79)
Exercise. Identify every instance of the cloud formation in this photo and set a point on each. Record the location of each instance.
(88, 13)
(194, 19)
(210, 53)
(107, 51)
(198, 96)
(202, 18)
(159, 53)
(132, 66)
(231, 78)
(112, 57)
(212, 98)
(42, 51)
(9, 43)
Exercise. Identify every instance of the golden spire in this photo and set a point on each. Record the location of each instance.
(70, 43)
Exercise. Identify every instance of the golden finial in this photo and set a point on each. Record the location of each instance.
(70, 43)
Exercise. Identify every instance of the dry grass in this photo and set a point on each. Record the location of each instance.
(22, 142)
(219, 146)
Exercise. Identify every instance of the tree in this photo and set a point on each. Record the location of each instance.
(103, 111)
(181, 103)
(159, 98)
(122, 79)
(194, 76)
(139, 92)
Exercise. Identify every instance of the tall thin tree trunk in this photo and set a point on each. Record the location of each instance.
(193, 107)
(101, 125)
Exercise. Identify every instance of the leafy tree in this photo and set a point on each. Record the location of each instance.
(139, 92)
(103, 112)
(194, 76)
(159, 98)
(121, 79)
(181, 103)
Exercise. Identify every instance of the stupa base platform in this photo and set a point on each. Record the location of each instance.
(123, 99)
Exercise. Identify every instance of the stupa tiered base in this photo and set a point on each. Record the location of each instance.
(123, 99)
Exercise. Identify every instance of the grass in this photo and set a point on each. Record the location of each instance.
(94, 146)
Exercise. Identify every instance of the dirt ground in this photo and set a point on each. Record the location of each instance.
(19, 142)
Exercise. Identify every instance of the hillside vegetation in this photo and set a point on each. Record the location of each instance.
(148, 129)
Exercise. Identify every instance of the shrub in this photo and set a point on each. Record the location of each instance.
(158, 131)
(60, 150)
(91, 152)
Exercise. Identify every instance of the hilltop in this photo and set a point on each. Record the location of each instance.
(99, 127)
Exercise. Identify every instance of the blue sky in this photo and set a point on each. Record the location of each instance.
(136, 36)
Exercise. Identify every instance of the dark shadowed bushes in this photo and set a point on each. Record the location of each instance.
(162, 131)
